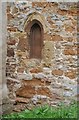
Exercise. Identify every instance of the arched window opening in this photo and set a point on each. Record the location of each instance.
(36, 41)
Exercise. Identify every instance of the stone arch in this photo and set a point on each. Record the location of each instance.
(35, 16)
(31, 23)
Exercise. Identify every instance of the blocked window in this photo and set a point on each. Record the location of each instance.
(36, 41)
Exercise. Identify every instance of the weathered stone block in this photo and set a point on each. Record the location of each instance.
(36, 70)
(26, 92)
(10, 16)
(71, 74)
(62, 12)
(56, 37)
(44, 91)
(12, 29)
(34, 82)
(47, 37)
(57, 72)
(48, 51)
(11, 42)
(23, 44)
(70, 51)
(10, 52)
(21, 100)
(69, 28)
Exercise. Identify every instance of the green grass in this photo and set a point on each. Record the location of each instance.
(62, 111)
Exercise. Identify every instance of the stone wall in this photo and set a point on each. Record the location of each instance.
(54, 78)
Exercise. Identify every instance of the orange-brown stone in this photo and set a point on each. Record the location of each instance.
(71, 74)
(69, 28)
(47, 37)
(51, 22)
(57, 72)
(33, 82)
(12, 29)
(73, 11)
(68, 39)
(62, 12)
(11, 42)
(22, 45)
(26, 91)
(40, 4)
(36, 70)
(70, 51)
(10, 16)
(56, 38)
(74, 22)
(21, 100)
(36, 4)
(44, 91)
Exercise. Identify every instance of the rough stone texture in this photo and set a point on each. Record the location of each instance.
(27, 91)
(57, 72)
(70, 51)
(54, 77)
(10, 52)
(36, 70)
(48, 52)
(71, 74)
(44, 91)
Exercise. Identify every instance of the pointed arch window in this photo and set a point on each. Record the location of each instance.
(36, 41)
